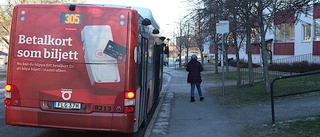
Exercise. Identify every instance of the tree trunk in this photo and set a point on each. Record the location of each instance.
(251, 80)
(264, 52)
(265, 65)
(238, 68)
(227, 61)
(216, 61)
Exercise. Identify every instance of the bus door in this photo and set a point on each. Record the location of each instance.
(142, 72)
(158, 68)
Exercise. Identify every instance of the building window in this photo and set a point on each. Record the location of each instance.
(306, 30)
(285, 32)
(317, 29)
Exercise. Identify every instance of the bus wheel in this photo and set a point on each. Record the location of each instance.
(143, 124)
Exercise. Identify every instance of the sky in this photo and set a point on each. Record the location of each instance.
(167, 13)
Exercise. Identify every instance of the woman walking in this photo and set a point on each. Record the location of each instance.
(194, 68)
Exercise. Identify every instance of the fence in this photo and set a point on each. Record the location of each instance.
(258, 72)
(273, 96)
(310, 58)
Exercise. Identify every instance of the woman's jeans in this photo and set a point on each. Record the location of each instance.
(198, 88)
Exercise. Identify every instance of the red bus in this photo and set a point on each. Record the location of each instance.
(83, 67)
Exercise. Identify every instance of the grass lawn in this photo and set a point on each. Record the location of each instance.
(235, 96)
(301, 127)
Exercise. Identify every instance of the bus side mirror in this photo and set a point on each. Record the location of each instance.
(155, 31)
(146, 22)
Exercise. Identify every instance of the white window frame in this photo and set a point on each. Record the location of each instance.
(306, 32)
(285, 32)
(317, 29)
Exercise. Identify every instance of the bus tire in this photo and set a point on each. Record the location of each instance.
(143, 124)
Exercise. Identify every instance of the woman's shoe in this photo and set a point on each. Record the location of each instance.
(201, 98)
(192, 99)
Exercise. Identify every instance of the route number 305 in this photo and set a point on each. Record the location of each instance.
(71, 18)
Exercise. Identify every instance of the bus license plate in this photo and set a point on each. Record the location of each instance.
(67, 105)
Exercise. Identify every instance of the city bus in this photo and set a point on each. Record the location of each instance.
(82, 67)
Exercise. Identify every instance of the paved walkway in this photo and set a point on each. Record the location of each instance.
(176, 116)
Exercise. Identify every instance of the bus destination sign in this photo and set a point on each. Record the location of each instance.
(71, 18)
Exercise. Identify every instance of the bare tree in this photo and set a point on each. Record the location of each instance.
(213, 11)
(256, 17)
(210, 14)
(180, 41)
(198, 31)
(237, 29)
(265, 13)
(195, 30)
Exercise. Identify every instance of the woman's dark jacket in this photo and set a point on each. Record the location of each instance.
(194, 68)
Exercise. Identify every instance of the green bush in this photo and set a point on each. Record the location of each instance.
(242, 64)
(295, 67)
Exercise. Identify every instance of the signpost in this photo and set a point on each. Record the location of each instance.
(222, 27)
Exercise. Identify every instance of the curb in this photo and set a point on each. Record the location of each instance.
(156, 112)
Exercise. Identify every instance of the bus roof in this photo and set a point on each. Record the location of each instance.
(144, 12)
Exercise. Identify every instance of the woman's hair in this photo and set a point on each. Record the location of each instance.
(194, 57)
